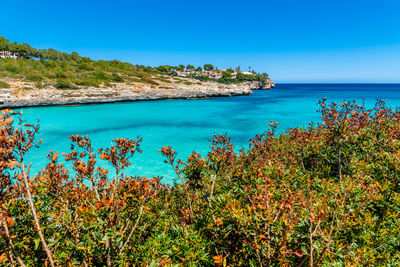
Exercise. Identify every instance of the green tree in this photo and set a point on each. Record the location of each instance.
(230, 71)
(164, 68)
(208, 67)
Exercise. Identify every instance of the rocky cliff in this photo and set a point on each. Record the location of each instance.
(23, 94)
(255, 85)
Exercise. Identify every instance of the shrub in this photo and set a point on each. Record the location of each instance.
(4, 85)
(87, 82)
(12, 69)
(63, 84)
(60, 74)
(117, 78)
(40, 85)
(101, 75)
(34, 78)
(328, 194)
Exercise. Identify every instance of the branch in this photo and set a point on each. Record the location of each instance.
(133, 229)
(32, 207)
(10, 242)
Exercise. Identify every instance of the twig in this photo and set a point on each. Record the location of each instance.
(133, 229)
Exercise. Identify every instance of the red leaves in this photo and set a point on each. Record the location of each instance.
(99, 205)
(299, 253)
(109, 201)
(164, 261)
(103, 171)
(55, 156)
(8, 121)
(102, 204)
(10, 222)
(169, 153)
(82, 167)
(12, 164)
(104, 155)
(3, 258)
(120, 152)
(262, 237)
(218, 260)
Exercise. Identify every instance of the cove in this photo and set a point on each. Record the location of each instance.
(187, 125)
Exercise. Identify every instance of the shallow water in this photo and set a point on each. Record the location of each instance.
(187, 125)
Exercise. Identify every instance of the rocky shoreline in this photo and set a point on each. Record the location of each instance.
(33, 97)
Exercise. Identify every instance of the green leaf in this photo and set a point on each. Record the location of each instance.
(37, 242)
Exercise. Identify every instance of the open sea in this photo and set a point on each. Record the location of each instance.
(187, 125)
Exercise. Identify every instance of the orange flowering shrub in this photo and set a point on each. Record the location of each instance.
(321, 195)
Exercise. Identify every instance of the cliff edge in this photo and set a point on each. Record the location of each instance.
(24, 94)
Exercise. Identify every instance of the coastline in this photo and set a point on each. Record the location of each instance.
(10, 98)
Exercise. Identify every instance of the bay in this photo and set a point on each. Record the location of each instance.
(187, 125)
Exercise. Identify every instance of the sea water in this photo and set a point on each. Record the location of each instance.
(187, 125)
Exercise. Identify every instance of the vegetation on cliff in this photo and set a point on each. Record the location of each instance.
(48, 67)
(322, 195)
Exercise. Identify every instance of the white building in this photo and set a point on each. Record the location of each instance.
(182, 74)
(248, 72)
(8, 54)
(214, 75)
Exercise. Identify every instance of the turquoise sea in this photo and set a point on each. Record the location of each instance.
(187, 125)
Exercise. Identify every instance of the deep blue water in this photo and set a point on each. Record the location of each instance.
(187, 125)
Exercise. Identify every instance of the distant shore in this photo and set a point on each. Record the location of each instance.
(10, 98)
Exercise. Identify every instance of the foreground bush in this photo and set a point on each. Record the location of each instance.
(322, 195)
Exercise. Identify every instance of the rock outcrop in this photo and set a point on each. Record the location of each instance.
(256, 85)
(25, 95)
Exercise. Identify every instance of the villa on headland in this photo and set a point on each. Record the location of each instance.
(214, 75)
(8, 54)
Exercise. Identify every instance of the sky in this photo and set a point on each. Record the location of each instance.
(292, 40)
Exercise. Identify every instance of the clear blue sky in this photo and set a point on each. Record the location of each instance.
(292, 40)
